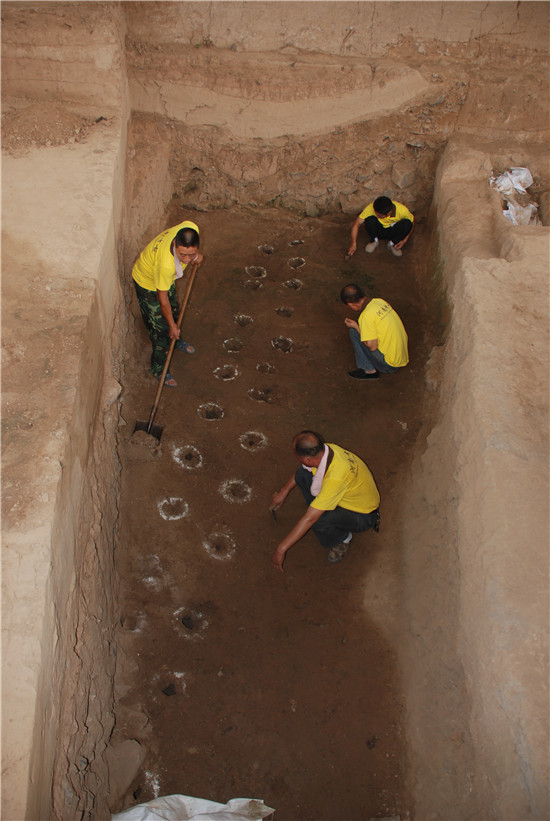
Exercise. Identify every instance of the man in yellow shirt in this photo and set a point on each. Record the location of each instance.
(379, 339)
(154, 273)
(384, 219)
(339, 490)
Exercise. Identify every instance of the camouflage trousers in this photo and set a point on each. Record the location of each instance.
(157, 326)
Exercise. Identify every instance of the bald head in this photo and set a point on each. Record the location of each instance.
(308, 443)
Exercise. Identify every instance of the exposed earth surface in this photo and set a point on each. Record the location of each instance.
(241, 680)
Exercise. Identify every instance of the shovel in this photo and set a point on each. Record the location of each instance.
(148, 427)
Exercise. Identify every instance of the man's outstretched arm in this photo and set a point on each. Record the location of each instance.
(300, 529)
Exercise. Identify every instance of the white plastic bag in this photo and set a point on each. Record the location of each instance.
(512, 185)
(516, 179)
(186, 808)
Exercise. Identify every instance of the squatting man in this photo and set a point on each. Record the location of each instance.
(339, 490)
(379, 339)
(383, 219)
(154, 273)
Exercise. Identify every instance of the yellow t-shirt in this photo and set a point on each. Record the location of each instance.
(155, 269)
(348, 483)
(378, 320)
(401, 213)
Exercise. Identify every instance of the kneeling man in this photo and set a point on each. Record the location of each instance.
(339, 490)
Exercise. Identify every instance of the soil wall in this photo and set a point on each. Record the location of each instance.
(485, 464)
(62, 354)
(403, 78)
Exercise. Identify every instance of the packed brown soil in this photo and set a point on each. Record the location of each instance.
(239, 680)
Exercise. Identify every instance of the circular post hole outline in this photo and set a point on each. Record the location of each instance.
(253, 440)
(187, 456)
(220, 546)
(173, 508)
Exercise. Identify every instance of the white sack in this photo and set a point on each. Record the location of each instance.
(186, 808)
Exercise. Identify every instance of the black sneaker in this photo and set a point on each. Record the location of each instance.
(361, 374)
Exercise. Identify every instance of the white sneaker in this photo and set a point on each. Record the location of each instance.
(394, 250)
(372, 246)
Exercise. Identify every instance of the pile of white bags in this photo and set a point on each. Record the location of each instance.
(513, 185)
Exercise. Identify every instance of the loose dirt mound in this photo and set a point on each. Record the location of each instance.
(42, 124)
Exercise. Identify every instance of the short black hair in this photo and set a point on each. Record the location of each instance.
(308, 443)
(351, 293)
(187, 237)
(383, 205)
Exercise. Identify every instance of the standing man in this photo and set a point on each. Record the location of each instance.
(154, 273)
(340, 492)
(379, 339)
(384, 219)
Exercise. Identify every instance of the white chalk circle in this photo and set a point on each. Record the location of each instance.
(173, 508)
(242, 320)
(296, 262)
(226, 372)
(233, 345)
(235, 491)
(252, 440)
(220, 546)
(256, 271)
(267, 249)
(210, 411)
(187, 456)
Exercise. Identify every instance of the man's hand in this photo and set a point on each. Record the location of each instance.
(351, 323)
(277, 500)
(174, 332)
(352, 249)
(277, 559)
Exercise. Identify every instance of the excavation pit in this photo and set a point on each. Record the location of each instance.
(226, 372)
(243, 320)
(220, 546)
(211, 412)
(256, 271)
(283, 344)
(278, 158)
(294, 284)
(253, 441)
(296, 262)
(187, 457)
(235, 491)
(233, 345)
(253, 284)
(260, 394)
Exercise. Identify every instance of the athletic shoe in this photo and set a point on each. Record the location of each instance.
(396, 252)
(372, 246)
(336, 554)
(361, 374)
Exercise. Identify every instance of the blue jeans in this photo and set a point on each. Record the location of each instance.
(334, 525)
(367, 360)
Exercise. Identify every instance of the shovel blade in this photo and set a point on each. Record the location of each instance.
(153, 430)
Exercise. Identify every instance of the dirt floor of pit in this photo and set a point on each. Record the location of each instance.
(239, 680)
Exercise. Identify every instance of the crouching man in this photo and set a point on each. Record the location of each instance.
(339, 490)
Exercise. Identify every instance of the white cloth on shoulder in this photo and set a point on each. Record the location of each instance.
(177, 261)
(319, 474)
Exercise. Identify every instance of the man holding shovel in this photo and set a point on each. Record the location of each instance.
(339, 490)
(154, 273)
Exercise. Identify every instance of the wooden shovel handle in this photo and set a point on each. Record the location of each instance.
(172, 345)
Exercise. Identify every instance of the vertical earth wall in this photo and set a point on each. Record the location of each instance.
(62, 336)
